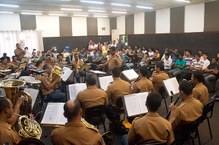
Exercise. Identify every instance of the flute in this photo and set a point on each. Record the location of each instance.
(168, 115)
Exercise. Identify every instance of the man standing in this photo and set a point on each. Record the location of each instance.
(76, 131)
(19, 52)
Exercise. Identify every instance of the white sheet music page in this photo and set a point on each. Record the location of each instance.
(105, 81)
(61, 119)
(33, 93)
(142, 97)
(67, 72)
(132, 105)
(171, 85)
(74, 89)
(52, 113)
(131, 75)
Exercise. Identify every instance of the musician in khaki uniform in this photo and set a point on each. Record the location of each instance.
(15, 64)
(115, 61)
(144, 84)
(76, 131)
(117, 88)
(200, 91)
(92, 96)
(5, 64)
(76, 67)
(49, 84)
(158, 76)
(151, 127)
(7, 119)
(19, 52)
(188, 111)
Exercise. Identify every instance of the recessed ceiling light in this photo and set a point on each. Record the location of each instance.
(53, 14)
(92, 2)
(6, 12)
(122, 5)
(119, 12)
(6, 5)
(29, 13)
(100, 16)
(70, 9)
(97, 11)
(186, 1)
(80, 15)
(144, 7)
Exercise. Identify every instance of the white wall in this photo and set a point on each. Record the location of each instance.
(121, 24)
(10, 22)
(163, 21)
(49, 25)
(194, 18)
(139, 23)
(101, 24)
(79, 26)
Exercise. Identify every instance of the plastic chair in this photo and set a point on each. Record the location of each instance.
(96, 116)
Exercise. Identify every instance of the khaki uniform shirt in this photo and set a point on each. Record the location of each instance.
(200, 92)
(115, 62)
(19, 53)
(76, 133)
(188, 111)
(7, 135)
(144, 85)
(76, 65)
(92, 96)
(117, 89)
(3, 66)
(157, 80)
(150, 128)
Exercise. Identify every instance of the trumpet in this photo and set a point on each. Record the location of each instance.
(28, 127)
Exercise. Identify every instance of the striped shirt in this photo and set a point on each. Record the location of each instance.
(188, 60)
(197, 64)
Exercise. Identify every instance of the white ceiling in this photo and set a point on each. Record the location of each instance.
(53, 6)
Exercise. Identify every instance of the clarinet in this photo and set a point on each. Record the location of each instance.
(168, 115)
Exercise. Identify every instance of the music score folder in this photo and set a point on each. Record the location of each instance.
(172, 86)
(135, 104)
(74, 89)
(105, 81)
(130, 75)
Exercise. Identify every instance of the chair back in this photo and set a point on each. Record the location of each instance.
(119, 103)
(208, 110)
(95, 115)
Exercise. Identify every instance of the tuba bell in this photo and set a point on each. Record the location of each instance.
(12, 92)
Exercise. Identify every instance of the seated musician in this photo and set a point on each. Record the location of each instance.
(15, 64)
(200, 91)
(5, 64)
(188, 111)
(114, 61)
(60, 61)
(92, 96)
(76, 131)
(7, 120)
(49, 84)
(152, 127)
(116, 90)
(5, 57)
(39, 64)
(143, 84)
(76, 66)
(158, 76)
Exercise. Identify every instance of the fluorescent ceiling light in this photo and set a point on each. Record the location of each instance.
(70, 9)
(119, 12)
(144, 7)
(186, 1)
(53, 14)
(80, 15)
(6, 12)
(122, 5)
(100, 16)
(6, 5)
(30, 13)
(92, 2)
(97, 11)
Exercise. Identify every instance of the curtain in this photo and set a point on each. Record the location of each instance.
(27, 38)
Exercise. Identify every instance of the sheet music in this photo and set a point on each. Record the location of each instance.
(33, 93)
(135, 103)
(97, 72)
(74, 89)
(131, 75)
(67, 72)
(105, 81)
(54, 114)
(171, 85)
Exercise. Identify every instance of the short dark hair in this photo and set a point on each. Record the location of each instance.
(113, 48)
(38, 63)
(199, 55)
(46, 66)
(13, 57)
(116, 72)
(4, 104)
(144, 71)
(198, 75)
(91, 79)
(71, 112)
(186, 87)
(167, 54)
(160, 65)
(153, 102)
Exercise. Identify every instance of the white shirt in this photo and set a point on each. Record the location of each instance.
(206, 63)
(167, 63)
